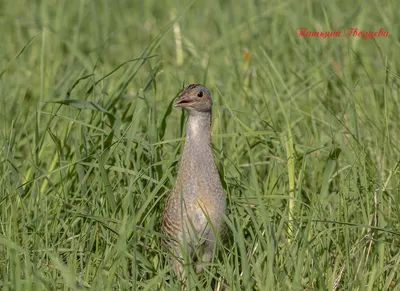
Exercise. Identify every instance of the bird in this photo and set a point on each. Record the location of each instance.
(193, 217)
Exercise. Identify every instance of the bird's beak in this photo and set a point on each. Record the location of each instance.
(183, 101)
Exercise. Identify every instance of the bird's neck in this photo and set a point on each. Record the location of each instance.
(197, 154)
(198, 128)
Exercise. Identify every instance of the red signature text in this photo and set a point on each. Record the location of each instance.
(348, 32)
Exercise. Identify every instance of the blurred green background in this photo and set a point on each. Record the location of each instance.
(305, 135)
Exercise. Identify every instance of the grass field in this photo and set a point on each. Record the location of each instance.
(305, 135)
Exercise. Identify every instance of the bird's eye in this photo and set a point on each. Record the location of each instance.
(200, 94)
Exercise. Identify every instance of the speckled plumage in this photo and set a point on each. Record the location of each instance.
(194, 210)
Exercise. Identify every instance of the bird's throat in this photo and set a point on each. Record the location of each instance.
(197, 158)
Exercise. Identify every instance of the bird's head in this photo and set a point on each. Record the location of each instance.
(195, 97)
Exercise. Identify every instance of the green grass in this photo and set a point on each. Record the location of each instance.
(305, 135)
